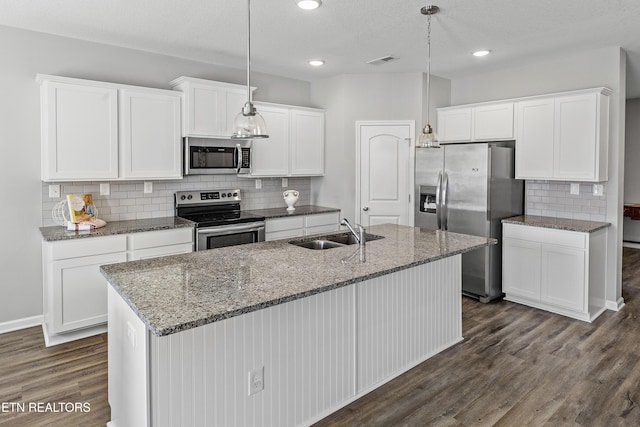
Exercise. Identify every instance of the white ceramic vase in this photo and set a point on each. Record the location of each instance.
(290, 198)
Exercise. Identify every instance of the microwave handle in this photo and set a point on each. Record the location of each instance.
(238, 157)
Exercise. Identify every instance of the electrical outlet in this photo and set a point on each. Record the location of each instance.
(105, 189)
(598, 189)
(54, 191)
(575, 189)
(285, 182)
(256, 380)
(148, 187)
(258, 184)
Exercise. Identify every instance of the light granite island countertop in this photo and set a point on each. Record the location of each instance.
(231, 335)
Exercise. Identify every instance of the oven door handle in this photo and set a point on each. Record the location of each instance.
(231, 229)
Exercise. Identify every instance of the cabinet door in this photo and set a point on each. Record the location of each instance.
(454, 125)
(521, 266)
(159, 251)
(307, 142)
(535, 139)
(270, 157)
(563, 277)
(202, 111)
(493, 122)
(150, 143)
(79, 291)
(576, 147)
(79, 132)
(321, 223)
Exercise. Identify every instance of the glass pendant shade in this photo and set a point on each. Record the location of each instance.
(249, 124)
(428, 137)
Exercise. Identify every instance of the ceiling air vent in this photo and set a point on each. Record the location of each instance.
(382, 60)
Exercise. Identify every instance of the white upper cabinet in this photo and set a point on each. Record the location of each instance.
(210, 107)
(564, 137)
(493, 122)
(79, 131)
(295, 146)
(534, 139)
(454, 124)
(307, 142)
(486, 122)
(104, 131)
(150, 134)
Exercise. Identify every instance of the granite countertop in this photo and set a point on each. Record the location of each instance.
(557, 223)
(176, 293)
(58, 232)
(283, 212)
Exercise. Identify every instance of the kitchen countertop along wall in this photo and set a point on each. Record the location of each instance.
(557, 223)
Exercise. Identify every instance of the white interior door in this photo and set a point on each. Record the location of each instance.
(384, 160)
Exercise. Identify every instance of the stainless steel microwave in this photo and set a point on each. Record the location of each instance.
(204, 156)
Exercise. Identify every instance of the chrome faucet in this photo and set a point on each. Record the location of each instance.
(360, 237)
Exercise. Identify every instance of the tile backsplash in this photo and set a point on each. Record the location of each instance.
(553, 199)
(128, 200)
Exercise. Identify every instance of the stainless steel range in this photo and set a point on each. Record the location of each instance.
(219, 220)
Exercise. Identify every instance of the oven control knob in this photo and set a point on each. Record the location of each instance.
(235, 194)
(183, 197)
(189, 197)
(224, 195)
(228, 194)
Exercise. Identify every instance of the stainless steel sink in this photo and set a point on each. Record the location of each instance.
(317, 244)
(332, 241)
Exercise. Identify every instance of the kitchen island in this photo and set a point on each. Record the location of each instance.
(276, 334)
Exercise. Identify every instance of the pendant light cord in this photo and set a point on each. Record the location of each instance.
(249, 51)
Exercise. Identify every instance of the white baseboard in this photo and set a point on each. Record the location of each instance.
(15, 325)
(633, 245)
(615, 305)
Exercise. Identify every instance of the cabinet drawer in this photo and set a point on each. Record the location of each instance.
(318, 229)
(322, 219)
(280, 224)
(152, 239)
(86, 247)
(549, 236)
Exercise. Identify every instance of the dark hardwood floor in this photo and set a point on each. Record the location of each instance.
(517, 366)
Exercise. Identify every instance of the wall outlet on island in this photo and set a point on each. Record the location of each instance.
(256, 380)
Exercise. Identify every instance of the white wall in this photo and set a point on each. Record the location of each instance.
(24, 54)
(352, 97)
(593, 68)
(631, 170)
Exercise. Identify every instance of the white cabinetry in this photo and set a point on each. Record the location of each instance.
(209, 107)
(104, 131)
(485, 122)
(75, 293)
(150, 134)
(555, 270)
(301, 225)
(296, 142)
(79, 131)
(563, 137)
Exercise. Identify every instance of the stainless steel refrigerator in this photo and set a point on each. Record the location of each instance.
(469, 189)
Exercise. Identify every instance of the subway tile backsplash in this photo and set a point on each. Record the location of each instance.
(553, 199)
(128, 200)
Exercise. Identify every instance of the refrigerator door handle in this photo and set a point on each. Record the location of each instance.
(445, 208)
(438, 200)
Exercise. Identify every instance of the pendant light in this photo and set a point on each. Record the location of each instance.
(249, 124)
(428, 137)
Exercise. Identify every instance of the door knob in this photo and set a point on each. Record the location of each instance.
(366, 208)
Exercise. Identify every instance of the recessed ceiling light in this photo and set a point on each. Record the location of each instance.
(316, 62)
(481, 52)
(309, 4)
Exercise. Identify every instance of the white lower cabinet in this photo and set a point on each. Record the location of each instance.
(75, 292)
(301, 225)
(555, 270)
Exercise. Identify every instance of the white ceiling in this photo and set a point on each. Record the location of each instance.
(345, 33)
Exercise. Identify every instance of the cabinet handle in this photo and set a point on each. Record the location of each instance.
(366, 208)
